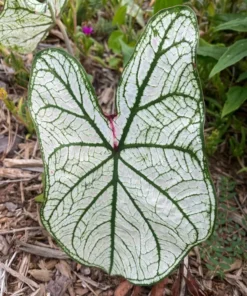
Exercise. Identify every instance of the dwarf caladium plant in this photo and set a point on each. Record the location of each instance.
(131, 192)
(24, 23)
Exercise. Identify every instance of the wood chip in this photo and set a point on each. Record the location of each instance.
(22, 163)
(21, 277)
(4, 246)
(40, 291)
(59, 286)
(158, 289)
(43, 251)
(10, 206)
(42, 275)
(123, 289)
(19, 230)
(10, 173)
(92, 283)
(64, 268)
(81, 291)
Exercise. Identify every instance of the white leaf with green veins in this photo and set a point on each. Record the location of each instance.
(24, 23)
(132, 193)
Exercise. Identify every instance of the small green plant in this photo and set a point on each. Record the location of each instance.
(20, 111)
(228, 241)
(222, 67)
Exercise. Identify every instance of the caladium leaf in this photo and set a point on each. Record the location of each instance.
(24, 23)
(130, 193)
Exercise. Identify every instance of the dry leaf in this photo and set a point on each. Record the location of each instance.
(41, 275)
(123, 288)
(50, 264)
(235, 265)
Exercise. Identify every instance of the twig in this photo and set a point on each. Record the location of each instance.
(73, 6)
(185, 275)
(14, 173)
(92, 283)
(2, 183)
(22, 163)
(86, 284)
(199, 261)
(2, 279)
(19, 230)
(21, 277)
(66, 38)
(61, 26)
(238, 219)
(42, 251)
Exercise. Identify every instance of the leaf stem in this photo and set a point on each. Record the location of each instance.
(65, 36)
(61, 26)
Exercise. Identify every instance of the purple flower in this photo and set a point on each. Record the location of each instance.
(87, 30)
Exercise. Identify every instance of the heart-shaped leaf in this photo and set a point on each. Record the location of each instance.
(130, 193)
(24, 23)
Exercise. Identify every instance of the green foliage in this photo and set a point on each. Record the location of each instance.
(233, 54)
(210, 50)
(222, 66)
(20, 111)
(120, 14)
(161, 4)
(21, 72)
(114, 41)
(228, 241)
(236, 96)
(238, 24)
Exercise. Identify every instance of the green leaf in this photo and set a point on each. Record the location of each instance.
(131, 192)
(23, 24)
(236, 96)
(119, 17)
(239, 25)
(210, 50)
(114, 41)
(40, 198)
(242, 76)
(227, 17)
(114, 62)
(233, 54)
(127, 51)
(161, 4)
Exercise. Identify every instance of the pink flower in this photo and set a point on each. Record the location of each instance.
(87, 30)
